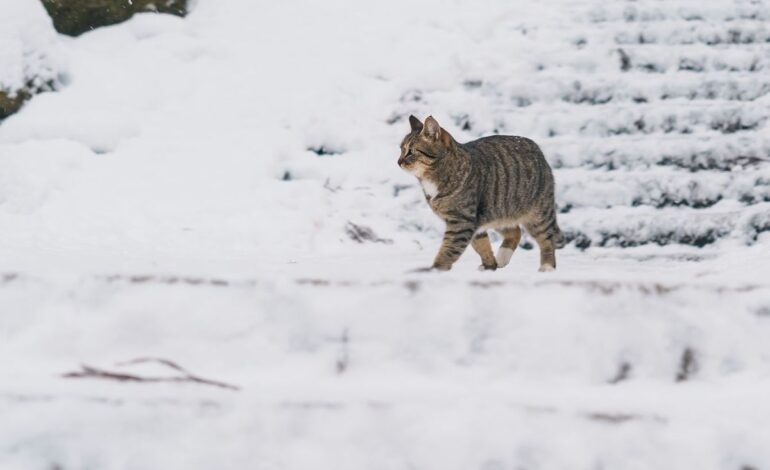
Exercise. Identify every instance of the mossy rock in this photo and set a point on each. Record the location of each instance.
(75, 17)
(12, 100)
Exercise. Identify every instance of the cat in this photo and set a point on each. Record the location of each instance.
(497, 182)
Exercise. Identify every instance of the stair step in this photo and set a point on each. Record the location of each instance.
(674, 117)
(659, 188)
(617, 88)
(636, 226)
(655, 12)
(727, 33)
(707, 152)
(651, 58)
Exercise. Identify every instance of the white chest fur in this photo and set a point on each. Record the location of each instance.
(429, 187)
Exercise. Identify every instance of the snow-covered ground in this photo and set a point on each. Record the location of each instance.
(193, 191)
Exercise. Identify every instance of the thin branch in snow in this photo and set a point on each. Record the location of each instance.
(328, 186)
(165, 362)
(89, 372)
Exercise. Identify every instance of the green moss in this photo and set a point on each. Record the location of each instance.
(74, 17)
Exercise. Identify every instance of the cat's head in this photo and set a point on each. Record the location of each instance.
(424, 146)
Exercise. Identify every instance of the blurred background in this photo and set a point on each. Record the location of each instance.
(205, 238)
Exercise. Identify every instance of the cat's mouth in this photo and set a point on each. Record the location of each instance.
(412, 168)
(405, 164)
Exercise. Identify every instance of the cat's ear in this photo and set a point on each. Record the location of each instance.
(415, 123)
(431, 130)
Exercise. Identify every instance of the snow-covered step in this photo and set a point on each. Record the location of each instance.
(691, 32)
(635, 226)
(710, 151)
(692, 11)
(595, 89)
(659, 187)
(689, 86)
(651, 58)
(682, 117)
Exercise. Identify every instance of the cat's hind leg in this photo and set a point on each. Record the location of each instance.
(482, 246)
(511, 238)
(545, 231)
(547, 255)
(547, 250)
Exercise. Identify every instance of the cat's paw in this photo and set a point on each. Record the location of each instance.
(546, 268)
(487, 268)
(503, 257)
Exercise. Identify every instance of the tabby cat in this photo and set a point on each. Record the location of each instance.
(497, 182)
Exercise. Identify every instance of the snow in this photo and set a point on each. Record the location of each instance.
(189, 192)
(28, 46)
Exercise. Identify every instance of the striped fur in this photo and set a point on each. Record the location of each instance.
(498, 182)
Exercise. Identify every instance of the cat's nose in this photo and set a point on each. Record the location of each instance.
(401, 161)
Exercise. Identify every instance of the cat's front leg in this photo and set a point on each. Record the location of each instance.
(456, 239)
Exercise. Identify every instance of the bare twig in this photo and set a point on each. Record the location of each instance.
(328, 186)
(89, 372)
(159, 360)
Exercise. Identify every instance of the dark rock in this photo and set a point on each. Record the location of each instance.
(75, 17)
